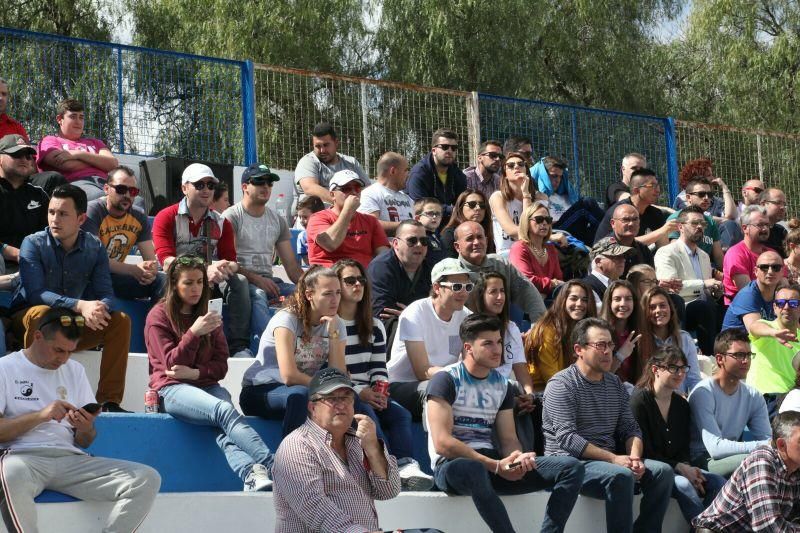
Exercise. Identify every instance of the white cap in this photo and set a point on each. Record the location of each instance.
(342, 178)
(197, 171)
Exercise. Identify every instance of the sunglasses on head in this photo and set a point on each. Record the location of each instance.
(446, 147)
(351, 280)
(767, 268)
(793, 303)
(65, 320)
(200, 185)
(190, 260)
(413, 241)
(133, 192)
(474, 204)
(541, 219)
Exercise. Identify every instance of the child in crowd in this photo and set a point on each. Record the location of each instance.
(428, 212)
(222, 199)
(188, 355)
(305, 208)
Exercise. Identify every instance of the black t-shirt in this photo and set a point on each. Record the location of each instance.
(613, 191)
(23, 211)
(641, 255)
(777, 234)
(652, 219)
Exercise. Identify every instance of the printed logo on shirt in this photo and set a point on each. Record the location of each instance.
(33, 204)
(25, 390)
(356, 233)
(62, 392)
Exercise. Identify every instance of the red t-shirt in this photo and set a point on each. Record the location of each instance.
(9, 126)
(364, 236)
(164, 235)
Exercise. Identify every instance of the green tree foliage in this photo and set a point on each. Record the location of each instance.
(89, 19)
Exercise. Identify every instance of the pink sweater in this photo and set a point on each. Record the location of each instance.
(540, 275)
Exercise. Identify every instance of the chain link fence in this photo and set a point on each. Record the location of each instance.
(371, 117)
(740, 154)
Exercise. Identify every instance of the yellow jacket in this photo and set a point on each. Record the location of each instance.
(547, 361)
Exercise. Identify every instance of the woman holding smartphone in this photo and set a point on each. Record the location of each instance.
(188, 355)
(365, 356)
(300, 339)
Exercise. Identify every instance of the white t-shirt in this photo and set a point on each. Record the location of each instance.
(419, 322)
(26, 388)
(513, 352)
(310, 166)
(501, 240)
(392, 206)
(558, 205)
(256, 237)
(309, 356)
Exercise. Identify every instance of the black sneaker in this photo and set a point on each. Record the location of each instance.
(113, 407)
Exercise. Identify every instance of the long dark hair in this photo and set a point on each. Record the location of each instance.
(666, 355)
(632, 321)
(172, 300)
(477, 304)
(298, 304)
(457, 217)
(364, 322)
(647, 343)
(505, 186)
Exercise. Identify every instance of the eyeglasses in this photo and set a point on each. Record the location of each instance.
(675, 369)
(346, 399)
(766, 268)
(793, 303)
(413, 241)
(492, 155)
(697, 223)
(474, 204)
(457, 287)
(776, 202)
(133, 192)
(200, 185)
(627, 220)
(446, 147)
(701, 194)
(511, 165)
(541, 219)
(740, 356)
(763, 225)
(23, 155)
(431, 214)
(602, 345)
(65, 320)
(757, 190)
(190, 260)
(351, 280)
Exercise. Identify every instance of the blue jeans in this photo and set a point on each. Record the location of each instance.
(393, 426)
(690, 502)
(276, 401)
(127, 288)
(615, 484)
(564, 475)
(260, 311)
(211, 406)
(2, 339)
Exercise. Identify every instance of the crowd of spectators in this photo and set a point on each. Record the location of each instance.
(544, 340)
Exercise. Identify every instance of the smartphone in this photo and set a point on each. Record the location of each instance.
(92, 407)
(512, 466)
(215, 305)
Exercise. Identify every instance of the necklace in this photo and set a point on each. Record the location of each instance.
(540, 253)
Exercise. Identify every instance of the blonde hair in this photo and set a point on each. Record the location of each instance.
(525, 222)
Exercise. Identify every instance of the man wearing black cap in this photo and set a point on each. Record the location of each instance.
(23, 206)
(327, 474)
(260, 233)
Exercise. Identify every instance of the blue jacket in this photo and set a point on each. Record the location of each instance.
(50, 276)
(565, 188)
(424, 181)
(390, 283)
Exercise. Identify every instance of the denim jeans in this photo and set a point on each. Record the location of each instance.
(276, 401)
(393, 426)
(236, 294)
(615, 484)
(2, 339)
(127, 288)
(690, 502)
(564, 475)
(260, 312)
(211, 406)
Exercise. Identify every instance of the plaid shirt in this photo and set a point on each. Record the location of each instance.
(760, 496)
(315, 490)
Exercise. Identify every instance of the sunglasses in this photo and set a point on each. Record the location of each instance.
(767, 268)
(446, 147)
(413, 241)
(541, 219)
(492, 155)
(513, 164)
(457, 287)
(701, 194)
(133, 192)
(757, 190)
(793, 303)
(200, 185)
(66, 321)
(352, 280)
(190, 260)
(23, 155)
(474, 204)
(259, 182)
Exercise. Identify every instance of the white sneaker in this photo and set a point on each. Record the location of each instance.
(258, 479)
(244, 353)
(414, 479)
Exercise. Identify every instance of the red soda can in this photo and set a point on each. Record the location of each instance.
(381, 387)
(150, 401)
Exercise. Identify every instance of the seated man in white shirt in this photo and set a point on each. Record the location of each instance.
(385, 199)
(428, 335)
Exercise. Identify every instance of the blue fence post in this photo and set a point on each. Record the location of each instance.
(120, 103)
(249, 113)
(576, 173)
(672, 158)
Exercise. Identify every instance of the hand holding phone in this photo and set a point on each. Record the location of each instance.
(91, 408)
(215, 306)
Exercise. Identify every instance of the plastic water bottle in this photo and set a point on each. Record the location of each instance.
(282, 208)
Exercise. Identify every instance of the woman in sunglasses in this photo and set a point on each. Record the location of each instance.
(532, 254)
(621, 311)
(515, 194)
(470, 205)
(365, 356)
(301, 338)
(659, 326)
(664, 416)
(188, 356)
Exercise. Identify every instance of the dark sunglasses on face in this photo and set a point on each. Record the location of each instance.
(200, 185)
(133, 192)
(351, 280)
(258, 182)
(541, 219)
(793, 303)
(493, 155)
(413, 241)
(446, 147)
(757, 190)
(23, 155)
(767, 268)
(701, 194)
(457, 287)
(474, 204)
(511, 165)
